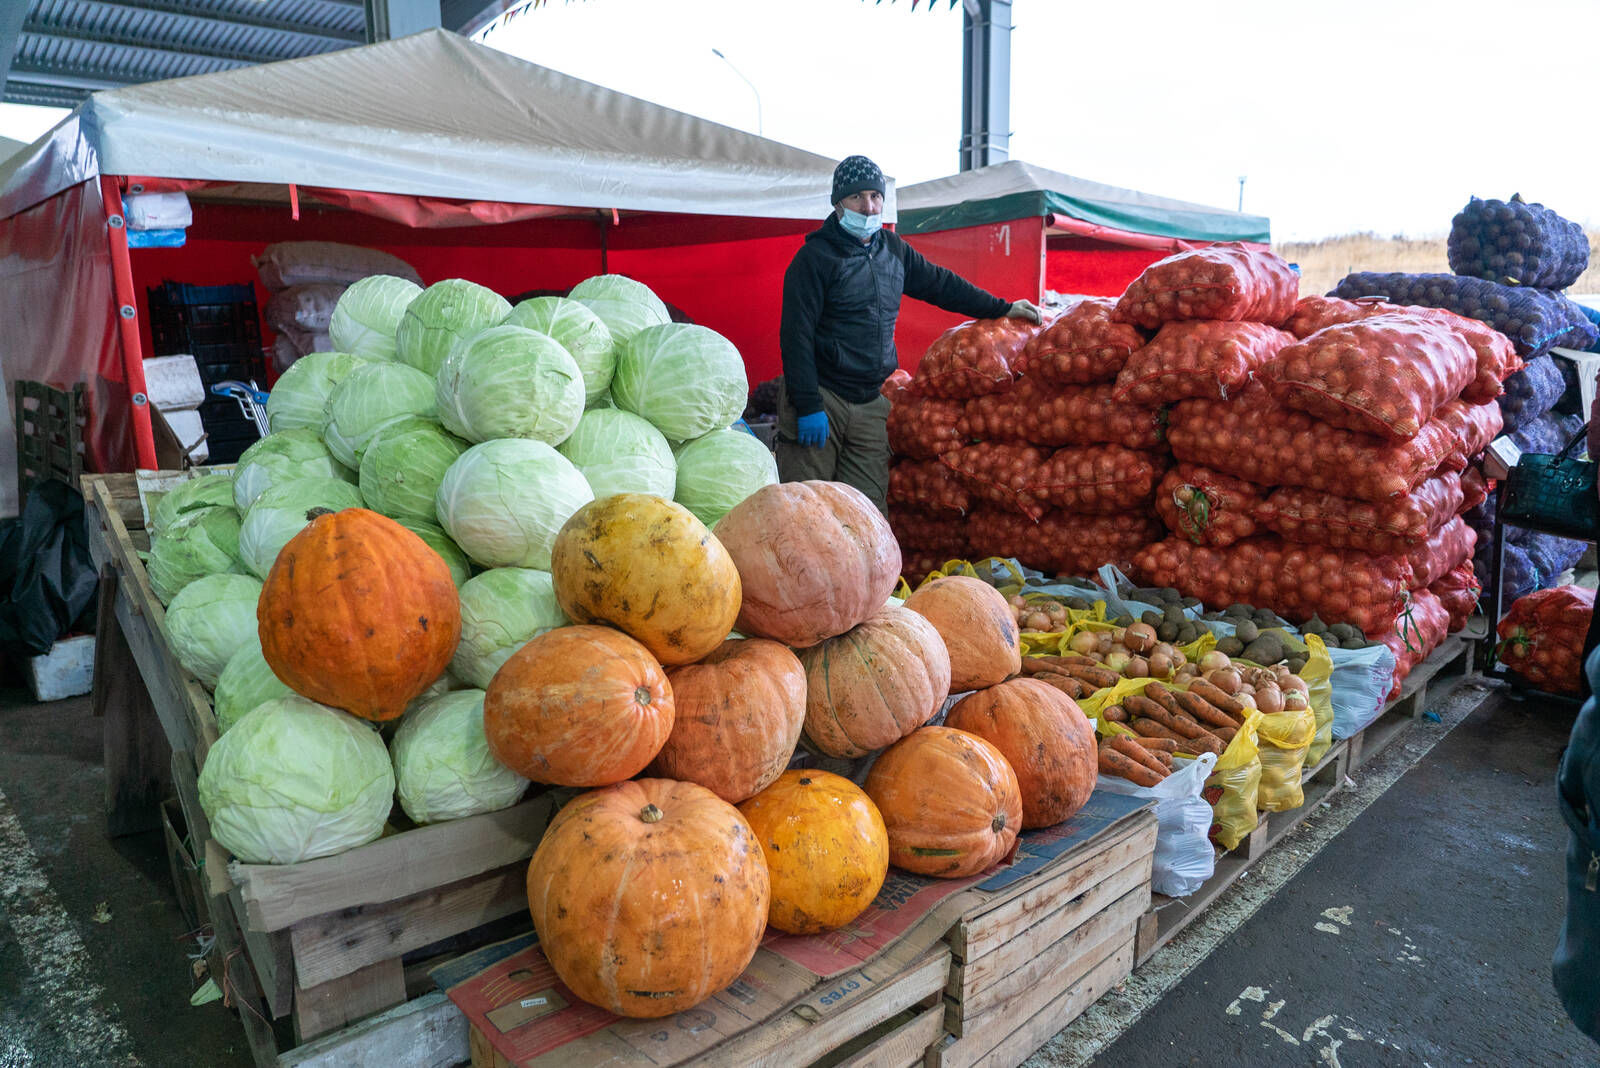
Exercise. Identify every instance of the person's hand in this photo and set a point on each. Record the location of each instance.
(1025, 309)
(813, 430)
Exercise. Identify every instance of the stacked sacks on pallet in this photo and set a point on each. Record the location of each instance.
(1358, 436)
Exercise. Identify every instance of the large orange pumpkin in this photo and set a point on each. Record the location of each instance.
(875, 683)
(650, 568)
(1046, 739)
(648, 896)
(815, 558)
(949, 800)
(978, 629)
(578, 706)
(358, 613)
(826, 847)
(736, 718)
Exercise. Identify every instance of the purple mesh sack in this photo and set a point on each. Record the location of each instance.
(1531, 392)
(1535, 320)
(1551, 554)
(1518, 578)
(1517, 243)
(1548, 434)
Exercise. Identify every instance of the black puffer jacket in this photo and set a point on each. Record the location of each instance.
(840, 302)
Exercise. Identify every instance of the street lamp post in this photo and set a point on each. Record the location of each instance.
(718, 53)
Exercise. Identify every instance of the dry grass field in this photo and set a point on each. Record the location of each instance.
(1323, 263)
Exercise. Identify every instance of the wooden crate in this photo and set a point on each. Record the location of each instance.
(1025, 965)
(320, 944)
(1445, 668)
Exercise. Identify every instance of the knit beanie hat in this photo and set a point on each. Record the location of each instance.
(855, 174)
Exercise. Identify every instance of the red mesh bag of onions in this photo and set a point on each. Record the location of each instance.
(918, 532)
(999, 473)
(1036, 413)
(1458, 592)
(916, 566)
(1224, 282)
(1396, 525)
(897, 386)
(1384, 375)
(1497, 357)
(1097, 478)
(1082, 346)
(922, 428)
(1257, 439)
(1061, 543)
(1297, 581)
(1445, 548)
(972, 359)
(1471, 427)
(1541, 638)
(1207, 507)
(928, 486)
(1474, 488)
(1198, 359)
(1416, 633)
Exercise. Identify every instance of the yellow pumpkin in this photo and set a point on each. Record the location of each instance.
(649, 568)
(826, 847)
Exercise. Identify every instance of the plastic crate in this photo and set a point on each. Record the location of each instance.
(219, 326)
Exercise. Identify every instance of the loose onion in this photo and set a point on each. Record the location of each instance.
(1226, 679)
(1297, 684)
(1036, 621)
(1269, 699)
(1295, 701)
(1117, 661)
(1215, 661)
(1104, 641)
(1141, 638)
(1246, 699)
(1160, 665)
(1138, 668)
(1084, 642)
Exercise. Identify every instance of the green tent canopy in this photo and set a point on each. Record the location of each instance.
(1017, 190)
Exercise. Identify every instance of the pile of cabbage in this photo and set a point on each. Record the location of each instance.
(480, 427)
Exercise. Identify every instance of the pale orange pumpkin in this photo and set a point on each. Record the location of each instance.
(977, 626)
(578, 706)
(648, 896)
(1046, 739)
(826, 847)
(874, 684)
(814, 558)
(359, 614)
(736, 718)
(949, 800)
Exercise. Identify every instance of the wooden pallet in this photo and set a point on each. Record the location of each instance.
(1019, 962)
(318, 945)
(1448, 666)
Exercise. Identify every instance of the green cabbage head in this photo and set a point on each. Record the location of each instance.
(368, 315)
(443, 769)
(688, 380)
(504, 501)
(284, 457)
(370, 398)
(295, 780)
(198, 543)
(580, 332)
(445, 313)
(191, 495)
(245, 683)
(618, 452)
(509, 382)
(435, 538)
(299, 397)
(501, 611)
(625, 306)
(210, 620)
(280, 513)
(718, 470)
(403, 465)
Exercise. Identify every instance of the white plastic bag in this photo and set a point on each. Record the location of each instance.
(1361, 681)
(1185, 858)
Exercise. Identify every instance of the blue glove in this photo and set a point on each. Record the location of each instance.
(813, 430)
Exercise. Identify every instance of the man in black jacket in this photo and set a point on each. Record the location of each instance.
(841, 297)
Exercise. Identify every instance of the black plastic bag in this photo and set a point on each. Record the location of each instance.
(47, 579)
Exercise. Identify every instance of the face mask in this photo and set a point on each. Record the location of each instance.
(858, 225)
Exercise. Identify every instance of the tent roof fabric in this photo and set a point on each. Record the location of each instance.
(432, 114)
(1017, 190)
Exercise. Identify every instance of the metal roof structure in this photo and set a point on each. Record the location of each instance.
(62, 50)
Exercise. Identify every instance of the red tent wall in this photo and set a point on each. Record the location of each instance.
(1005, 258)
(1093, 268)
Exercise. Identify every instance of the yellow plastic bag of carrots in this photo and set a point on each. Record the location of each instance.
(1233, 787)
(1285, 740)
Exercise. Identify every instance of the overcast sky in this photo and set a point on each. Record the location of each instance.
(1380, 115)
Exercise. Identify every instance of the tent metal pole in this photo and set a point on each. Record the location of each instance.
(144, 442)
(985, 83)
